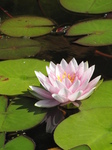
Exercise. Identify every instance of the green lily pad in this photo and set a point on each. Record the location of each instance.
(2, 139)
(21, 142)
(92, 127)
(17, 75)
(88, 6)
(21, 114)
(15, 48)
(102, 97)
(81, 147)
(26, 26)
(97, 32)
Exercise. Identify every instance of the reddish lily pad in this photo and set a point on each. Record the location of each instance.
(88, 6)
(27, 26)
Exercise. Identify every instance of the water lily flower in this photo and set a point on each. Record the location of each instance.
(66, 83)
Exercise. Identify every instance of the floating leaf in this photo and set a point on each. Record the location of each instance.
(27, 26)
(81, 147)
(97, 32)
(92, 127)
(18, 143)
(88, 6)
(15, 48)
(2, 139)
(102, 97)
(21, 114)
(17, 75)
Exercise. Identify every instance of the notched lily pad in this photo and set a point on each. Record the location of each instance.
(92, 127)
(14, 48)
(17, 75)
(21, 114)
(27, 26)
(95, 33)
(21, 142)
(88, 6)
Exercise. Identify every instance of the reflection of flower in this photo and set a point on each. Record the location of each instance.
(66, 83)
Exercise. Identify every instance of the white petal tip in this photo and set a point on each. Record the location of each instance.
(31, 87)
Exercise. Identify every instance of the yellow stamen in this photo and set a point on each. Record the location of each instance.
(65, 75)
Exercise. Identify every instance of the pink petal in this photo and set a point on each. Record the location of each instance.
(40, 75)
(50, 88)
(59, 84)
(83, 86)
(80, 70)
(52, 66)
(88, 74)
(64, 64)
(42, 78)
(76, 103)
(64, 92)
(93, 83)
(74, 86)
(75, 96)
(86, 66)
(47, 103)
(86, 95)
(59, 70)
(67, 82)
(43, 93)
(52, 79)
(48, 70)
(59, 98)
(73, 64)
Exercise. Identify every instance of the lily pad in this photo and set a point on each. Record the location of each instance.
(81, 147)
(2, 139)
(95, 33)
(88, 6)
(21, 114)
(15, 48)
(27, 26)
(92, 127)
(102, 97)
(18, 143)
(17, 75)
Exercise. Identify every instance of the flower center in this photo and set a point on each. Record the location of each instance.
(71, 77)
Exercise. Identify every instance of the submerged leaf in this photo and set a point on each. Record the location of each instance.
(15, 48)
